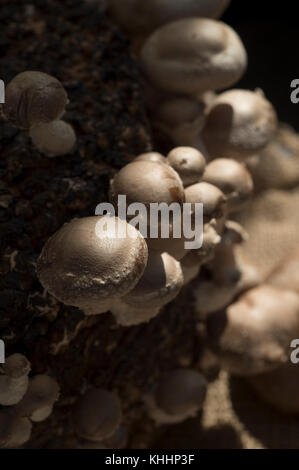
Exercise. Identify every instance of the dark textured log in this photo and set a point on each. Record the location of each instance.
(87, 53)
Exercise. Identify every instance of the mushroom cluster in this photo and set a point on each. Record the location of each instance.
(136, 274)
(36, 101)
(253, 336)
(24, 400)
(186, 54)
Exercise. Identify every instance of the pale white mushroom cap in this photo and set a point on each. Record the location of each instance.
(239, 123)
(193, 55)
(188, 162)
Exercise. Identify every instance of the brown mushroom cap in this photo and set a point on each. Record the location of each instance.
(252, 336)
(87, 271)
(161, 282)
(97, 415)
(53, 138)
(192, 56)
(239, 123)
(34, 98)
(188, 162)
(139, 17)
(42, 393)
(16, 366)
(181, 391)
(148, 182)
(212, 198)
(14, 381)
(232, 178)
(151, 157)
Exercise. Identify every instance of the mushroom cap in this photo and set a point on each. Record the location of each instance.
(33, 98)
(12, 390)
(233, 179)
(85, 270)
(161, 282)
(151, 157)
(142, 17)
(16, 366)
(239, 123)
(212, 198)
(181, 391)
(14, 430)
(53, 138)
(252, 336)
(148, 182)
(97, 415)
(193, 55)
(42, 393)
(279, 388)
(14, 381)
(188, 162)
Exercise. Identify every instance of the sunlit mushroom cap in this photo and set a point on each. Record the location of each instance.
(188, 162)
(87, 269)
(193, 55)
(213, 200)
(232, 178)
(147, 182)
(239, 123)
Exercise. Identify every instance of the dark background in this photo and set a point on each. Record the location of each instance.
(270, 32)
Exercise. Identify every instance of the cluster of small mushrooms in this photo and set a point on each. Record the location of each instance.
(35, 102)
(186, 55)
(25, 400)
